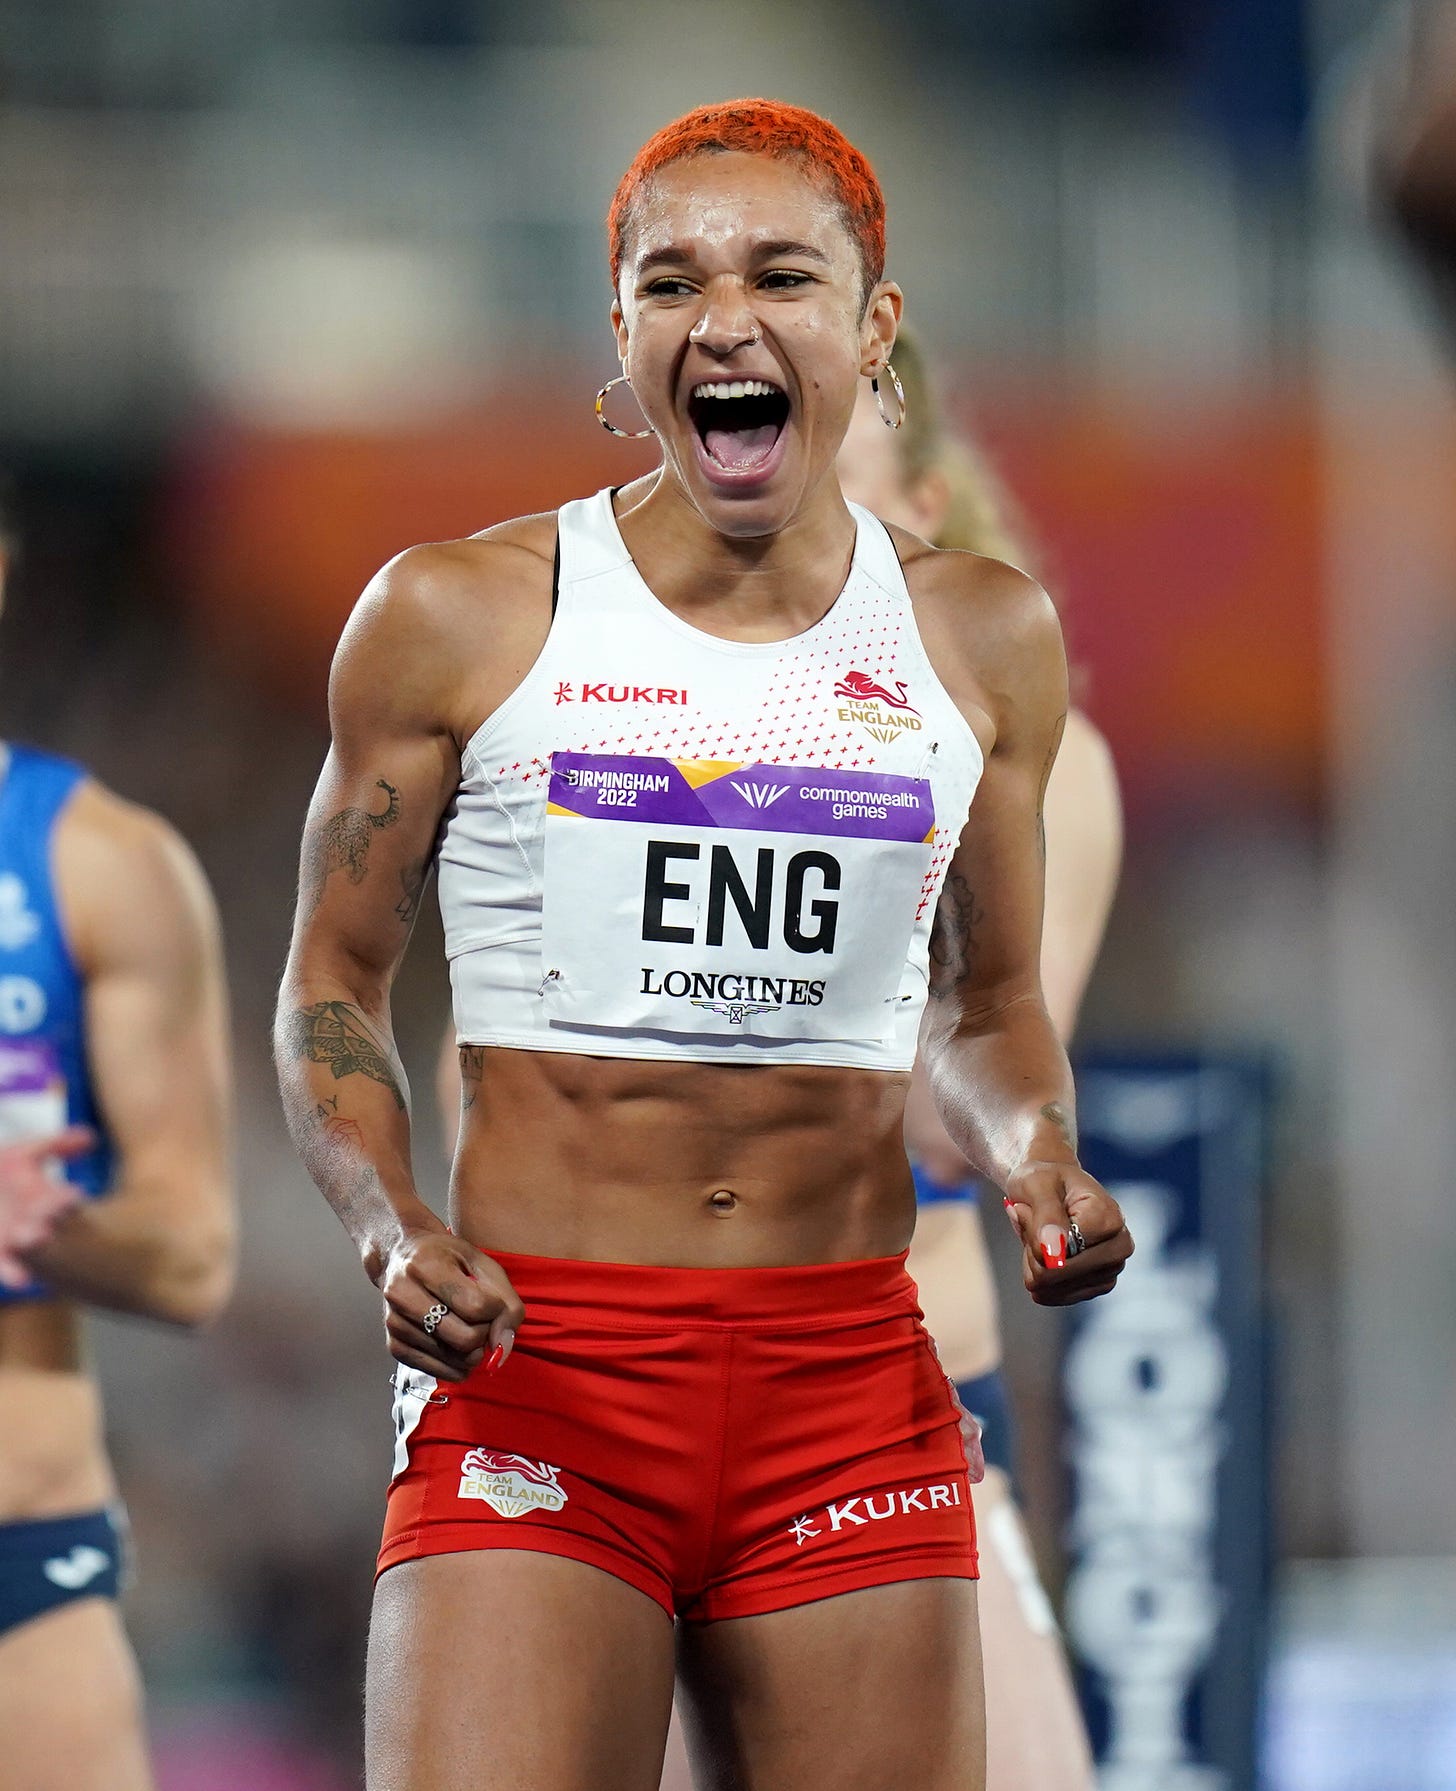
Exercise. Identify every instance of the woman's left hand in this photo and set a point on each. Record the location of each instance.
(1044, 1201)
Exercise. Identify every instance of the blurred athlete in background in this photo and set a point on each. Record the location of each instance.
(114, 1083)
(924, 480)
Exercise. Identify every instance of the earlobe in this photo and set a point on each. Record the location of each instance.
(882, 325)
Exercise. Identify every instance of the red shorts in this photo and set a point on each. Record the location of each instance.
(728, 1441)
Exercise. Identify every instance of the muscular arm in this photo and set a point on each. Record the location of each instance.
(144, 932)
(995, 1065)
(400, 706)
(1083, 822)
(368, 841)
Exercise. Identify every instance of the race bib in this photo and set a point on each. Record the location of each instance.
(32, 1091)
(694, 896)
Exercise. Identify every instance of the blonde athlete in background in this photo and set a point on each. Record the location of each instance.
(937, 487)
(113, 1082)
(923, 480)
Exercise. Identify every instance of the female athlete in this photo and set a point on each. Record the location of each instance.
(705, 750)
(921, 478)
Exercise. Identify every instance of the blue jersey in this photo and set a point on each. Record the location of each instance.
(930, 1192)
(44, 1081)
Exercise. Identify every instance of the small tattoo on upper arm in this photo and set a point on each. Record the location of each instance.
(342, 843)
(953, 941)
(335, 1033)
(472, 1068)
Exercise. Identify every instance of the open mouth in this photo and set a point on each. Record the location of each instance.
(739, 422)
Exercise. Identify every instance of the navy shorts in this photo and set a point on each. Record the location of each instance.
(985, 1399)
(50, 1561)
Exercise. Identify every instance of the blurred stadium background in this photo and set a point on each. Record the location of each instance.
(286, 288)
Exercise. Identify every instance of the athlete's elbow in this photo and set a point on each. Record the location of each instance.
(323, 976)
(196, 1282)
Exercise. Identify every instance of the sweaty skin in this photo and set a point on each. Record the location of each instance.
(140, 923)
(683, 1163)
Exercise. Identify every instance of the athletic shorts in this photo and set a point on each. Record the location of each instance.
(49, 1561)
(728, 1441)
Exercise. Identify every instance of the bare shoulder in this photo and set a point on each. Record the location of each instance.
(440, 617)
(991, 632)
(443, 584)
(126, 878)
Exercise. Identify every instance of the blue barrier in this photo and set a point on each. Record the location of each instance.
(1165, 1383)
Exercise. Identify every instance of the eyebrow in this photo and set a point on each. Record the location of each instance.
(671, 256)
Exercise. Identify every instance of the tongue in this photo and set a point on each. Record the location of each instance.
(740, 448)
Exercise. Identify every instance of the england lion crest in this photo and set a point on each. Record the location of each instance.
(510, 1484)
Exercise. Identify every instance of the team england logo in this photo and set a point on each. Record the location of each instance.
(18, 926)
(882, 712)
(510, 1484)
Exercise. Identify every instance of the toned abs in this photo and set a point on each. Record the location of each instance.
(713, 1165)
(54, 1460)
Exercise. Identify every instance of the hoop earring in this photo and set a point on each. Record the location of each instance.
(894, 378)
(627, 435)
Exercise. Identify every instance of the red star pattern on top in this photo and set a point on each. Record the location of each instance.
(792, 717)
(941, 848)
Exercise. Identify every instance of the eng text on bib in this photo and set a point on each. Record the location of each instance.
(697, 896)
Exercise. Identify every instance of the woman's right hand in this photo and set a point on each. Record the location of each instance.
(34, 1197)
(428, 1269)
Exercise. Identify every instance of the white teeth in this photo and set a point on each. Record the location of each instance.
(738, 388)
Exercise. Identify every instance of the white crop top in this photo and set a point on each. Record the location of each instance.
(667, 845)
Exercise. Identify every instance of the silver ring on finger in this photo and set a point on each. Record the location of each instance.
(431, 1320)
(1076, 1243)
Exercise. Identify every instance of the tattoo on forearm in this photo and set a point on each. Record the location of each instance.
(342, 843)
(335, 1126)
(1062, 1120)
(335, 1033)
(953, 941)
(472, 1068)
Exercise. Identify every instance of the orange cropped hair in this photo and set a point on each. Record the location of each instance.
(771, 128)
